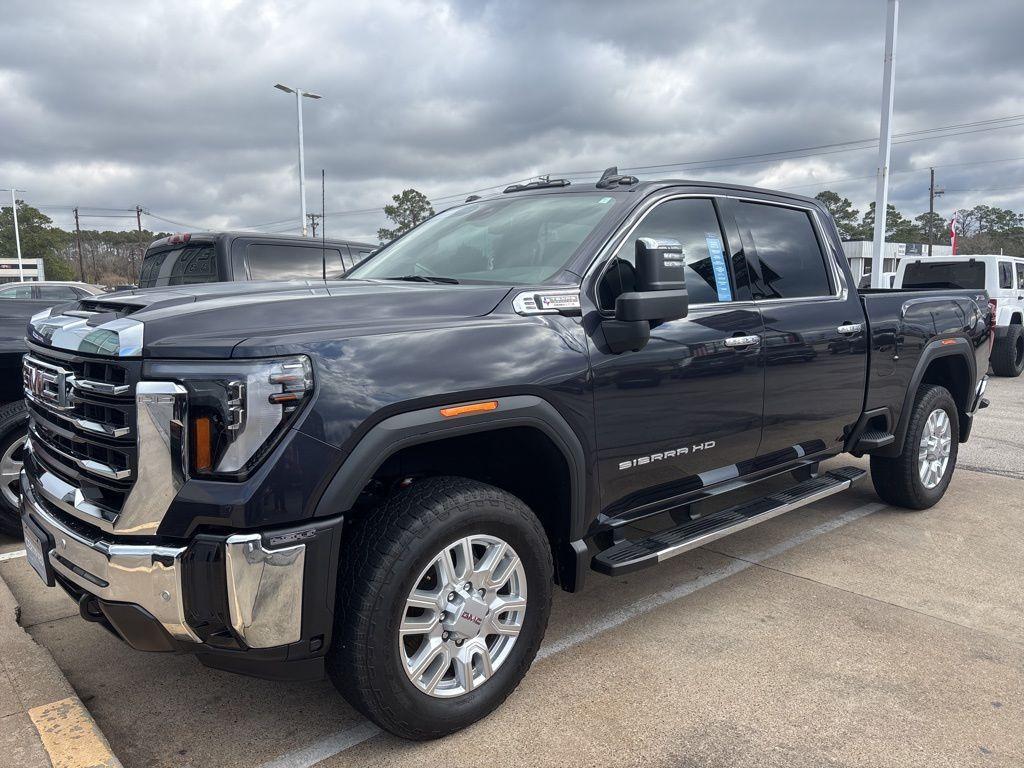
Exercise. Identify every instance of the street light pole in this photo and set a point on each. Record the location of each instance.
(884, 146)
(299, 96)
(17, 237)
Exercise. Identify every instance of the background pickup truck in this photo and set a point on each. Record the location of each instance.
(381, 477)
(209, 257)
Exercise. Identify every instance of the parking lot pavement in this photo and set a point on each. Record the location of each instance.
(997, 445)
(844, 633)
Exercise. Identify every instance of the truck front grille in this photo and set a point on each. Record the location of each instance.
(82, 426)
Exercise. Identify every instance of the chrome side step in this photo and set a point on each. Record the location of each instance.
(628, 556)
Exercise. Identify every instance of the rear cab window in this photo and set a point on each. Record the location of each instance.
(954, 275)
(280, 261)
(787, 246)
(184, 265)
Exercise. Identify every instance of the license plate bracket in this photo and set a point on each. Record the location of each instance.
(38, 544)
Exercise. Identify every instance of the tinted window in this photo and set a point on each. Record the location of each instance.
(179, 266)
(1005, 274)
(524, 239)
(57, 292)
(1020, 275)
(694, 224)
(951, 274)
(17, 292)
(792, 264)
(335, 263)
(273, 261)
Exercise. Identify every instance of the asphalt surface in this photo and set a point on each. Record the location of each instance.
(845, 633)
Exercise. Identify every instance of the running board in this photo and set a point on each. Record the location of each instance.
(628, 556)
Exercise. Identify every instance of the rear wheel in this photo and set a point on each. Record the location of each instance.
(444, 595)
(1008, 353)
(919, 476)
(13, 421)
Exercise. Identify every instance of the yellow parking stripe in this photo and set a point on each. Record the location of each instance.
(71, 737)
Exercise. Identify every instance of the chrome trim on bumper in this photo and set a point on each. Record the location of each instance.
(264, 590)
(147, 576)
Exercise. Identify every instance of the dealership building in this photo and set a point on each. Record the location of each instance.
(858, 253)
(9, 270)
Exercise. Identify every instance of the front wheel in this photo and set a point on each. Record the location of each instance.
(13, 420)
(919, 476)
(444, 595)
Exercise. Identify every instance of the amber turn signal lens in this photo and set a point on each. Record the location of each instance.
(202, 452)
(465, 410)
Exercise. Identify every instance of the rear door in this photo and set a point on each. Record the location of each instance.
(814, 330)
(684, 412)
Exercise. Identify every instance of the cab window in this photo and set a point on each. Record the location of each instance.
(694, 223)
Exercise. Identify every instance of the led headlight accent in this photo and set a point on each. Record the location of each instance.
(237, 409)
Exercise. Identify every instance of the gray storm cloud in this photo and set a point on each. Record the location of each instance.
(170, 105)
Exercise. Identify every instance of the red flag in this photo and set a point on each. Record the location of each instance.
(952, 232)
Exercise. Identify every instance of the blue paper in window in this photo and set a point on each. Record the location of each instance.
(717, 253)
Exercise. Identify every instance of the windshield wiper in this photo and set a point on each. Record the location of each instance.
(426, 279)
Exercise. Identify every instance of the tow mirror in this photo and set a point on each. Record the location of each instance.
(660, 283)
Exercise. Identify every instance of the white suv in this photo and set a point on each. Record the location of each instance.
(1001, 276)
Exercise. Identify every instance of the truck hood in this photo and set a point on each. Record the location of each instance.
(211, 320)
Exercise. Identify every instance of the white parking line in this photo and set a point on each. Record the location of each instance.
(354, 735)
(12, 555)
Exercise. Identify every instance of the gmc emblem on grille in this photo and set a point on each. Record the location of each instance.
(36, 383)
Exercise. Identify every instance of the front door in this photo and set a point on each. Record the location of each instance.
(682, 412)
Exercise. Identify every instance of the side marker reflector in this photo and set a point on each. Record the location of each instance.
(465, 410)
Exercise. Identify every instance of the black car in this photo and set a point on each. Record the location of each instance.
(381, 478)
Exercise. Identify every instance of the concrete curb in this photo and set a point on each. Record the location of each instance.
(42, 721)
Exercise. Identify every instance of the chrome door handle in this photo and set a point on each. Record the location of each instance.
(742, 341)
(849, 328)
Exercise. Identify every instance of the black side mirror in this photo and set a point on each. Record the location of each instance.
(660, 283)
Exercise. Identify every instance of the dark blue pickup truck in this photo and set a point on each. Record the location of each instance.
(381, 478)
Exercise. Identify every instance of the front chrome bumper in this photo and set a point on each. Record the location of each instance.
(264, 586)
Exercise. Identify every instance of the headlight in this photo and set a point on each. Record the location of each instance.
(236, 410)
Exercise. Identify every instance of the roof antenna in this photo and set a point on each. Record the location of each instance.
(611, 178)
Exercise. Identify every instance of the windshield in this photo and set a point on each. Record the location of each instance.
(510, 240)
(950, 275)
(179, 266)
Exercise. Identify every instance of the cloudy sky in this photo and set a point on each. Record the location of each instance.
(170, 104)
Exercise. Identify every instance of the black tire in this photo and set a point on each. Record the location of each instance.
(897, 479)
(384, 553)
(1008, 353)
(13, 421)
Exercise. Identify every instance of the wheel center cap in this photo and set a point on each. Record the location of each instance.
(466, 615)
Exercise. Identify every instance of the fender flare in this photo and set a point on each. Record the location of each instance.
(934, 350)
(428, 425)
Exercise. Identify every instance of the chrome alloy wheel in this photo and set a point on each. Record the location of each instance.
(10, 471)
(463, 616)
(936, 442)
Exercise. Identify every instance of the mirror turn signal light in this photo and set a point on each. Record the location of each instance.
(465, 410)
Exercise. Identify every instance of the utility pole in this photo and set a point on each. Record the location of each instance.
(932, 194)
(884, 145)
(78, 245)
(299, 96)
(17, 236)
(142, 244)
(313, 219)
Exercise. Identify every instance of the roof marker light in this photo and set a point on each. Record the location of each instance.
(465, 410)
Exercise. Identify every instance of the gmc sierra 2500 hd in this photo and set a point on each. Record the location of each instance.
(382, 477)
